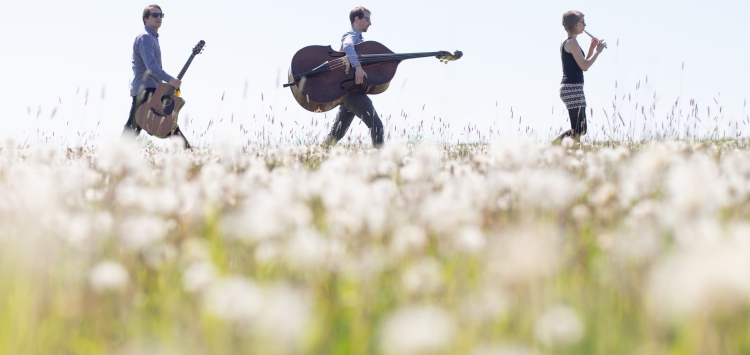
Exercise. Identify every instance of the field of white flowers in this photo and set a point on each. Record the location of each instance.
(491, 249)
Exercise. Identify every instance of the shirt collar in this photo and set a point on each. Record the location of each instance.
(151, 31)
(357, 33)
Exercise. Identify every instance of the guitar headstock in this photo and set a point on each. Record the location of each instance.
(198, 49)
(445, 57)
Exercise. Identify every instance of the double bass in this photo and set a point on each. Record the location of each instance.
(321, 78)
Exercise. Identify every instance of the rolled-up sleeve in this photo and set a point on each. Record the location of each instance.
(348, 43)
(146, 50)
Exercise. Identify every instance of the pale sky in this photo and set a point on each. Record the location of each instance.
(73, 58)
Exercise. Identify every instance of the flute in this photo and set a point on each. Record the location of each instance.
(592, 36)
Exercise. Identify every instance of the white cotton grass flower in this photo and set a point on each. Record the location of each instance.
(695, 188)
(699, 281)
(102, 223)
(580, 214)
(108, 276)
(635, 246)
(603, 195)
(486, 305)
(411, 171)
(285, 318)
(395, 151)
(504, 349)
(510, 155)
(212, 177)
(417, 330)
(151, 348)
(527, 256)
(77, 230)
(567, 143)
(119, 156)
(408, 238)
(559, 326)
(640, 177)
(386, 168)
(307, 250)
(703, 232)
(338, 151)
(267, 216)
(470, 240)
(423, 277)
(159, 254)
(175, 145)
(234, 299)
(198, 276)
(46, 154)
(739, 235)
(227, 151)
(429, 157)
(194, 250)
(267, 252)
(140, 232)
(553, 189)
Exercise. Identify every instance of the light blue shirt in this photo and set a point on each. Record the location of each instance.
(147, 71)
(348, 41)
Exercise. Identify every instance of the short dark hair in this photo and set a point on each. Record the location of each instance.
(147, 11)
(358, 11)
(571, 19)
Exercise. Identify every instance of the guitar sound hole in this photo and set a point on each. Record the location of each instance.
(166, 100)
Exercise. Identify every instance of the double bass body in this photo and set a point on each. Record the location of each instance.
(324, 91)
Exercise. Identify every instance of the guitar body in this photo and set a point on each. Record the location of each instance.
(158, 115)
(320, 93)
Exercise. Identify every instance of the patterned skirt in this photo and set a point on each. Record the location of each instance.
(572, 95)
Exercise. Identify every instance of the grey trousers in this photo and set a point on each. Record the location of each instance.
(356, 104)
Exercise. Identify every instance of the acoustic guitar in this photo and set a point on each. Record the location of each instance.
(321, 78)
(158, 115)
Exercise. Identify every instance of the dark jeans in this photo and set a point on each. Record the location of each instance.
(357, 104)
(577, 123)
(132, 128)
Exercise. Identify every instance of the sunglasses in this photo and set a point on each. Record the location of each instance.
(156, 14)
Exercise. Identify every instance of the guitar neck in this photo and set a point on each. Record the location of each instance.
(185, 67)
(172, 90)
(377, 58)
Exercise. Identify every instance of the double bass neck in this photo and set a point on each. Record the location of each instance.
(321, 77)
(372, 59)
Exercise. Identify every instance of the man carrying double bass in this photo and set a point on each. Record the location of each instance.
(357, 103)
(147, 70)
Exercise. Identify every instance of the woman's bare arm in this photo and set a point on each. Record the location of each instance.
(592, 47)
(585, 63)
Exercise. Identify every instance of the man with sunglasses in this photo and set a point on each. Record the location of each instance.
(357, 103)
(147, 71)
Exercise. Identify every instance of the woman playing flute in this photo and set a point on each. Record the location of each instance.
(574, 64)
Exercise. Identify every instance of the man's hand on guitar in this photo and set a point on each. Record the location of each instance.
(359, 75)
(175, 82)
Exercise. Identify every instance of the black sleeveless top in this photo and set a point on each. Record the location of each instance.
(572, 73)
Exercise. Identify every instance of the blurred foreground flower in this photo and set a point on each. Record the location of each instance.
(559, 325)
(108, 276)
(417, 330)
(700, 282)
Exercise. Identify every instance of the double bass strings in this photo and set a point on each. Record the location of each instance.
(367, 58)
